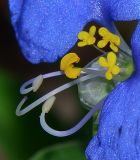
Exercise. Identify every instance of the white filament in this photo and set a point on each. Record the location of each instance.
(20, 112)
(71, 131)
(25, 90)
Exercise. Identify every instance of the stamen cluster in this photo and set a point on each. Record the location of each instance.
(88, 38)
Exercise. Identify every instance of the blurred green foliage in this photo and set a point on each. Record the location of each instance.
(66, 151)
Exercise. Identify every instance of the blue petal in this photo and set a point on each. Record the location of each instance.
(46, 30)
(15, 8)
(119, 129)
(123, 10)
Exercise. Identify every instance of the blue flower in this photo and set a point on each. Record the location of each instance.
(46, 30)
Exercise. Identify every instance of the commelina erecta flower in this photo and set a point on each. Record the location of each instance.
(46, 30)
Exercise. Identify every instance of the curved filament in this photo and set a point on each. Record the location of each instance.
(20, 112)
(25, 90)
(71, 131)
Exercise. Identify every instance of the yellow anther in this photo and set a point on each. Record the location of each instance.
(110, 64)
(37, 83)
(67, 66)
(87, 38)
(108, 37)
(48, 104)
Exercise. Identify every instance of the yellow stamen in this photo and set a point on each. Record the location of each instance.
(110, 64)
(67, 66)
(87, 38)
(108, 37)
